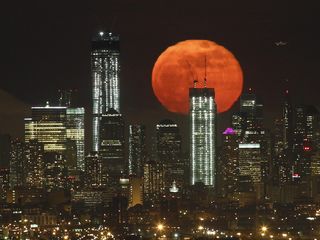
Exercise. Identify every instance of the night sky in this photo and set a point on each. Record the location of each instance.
(45, 45)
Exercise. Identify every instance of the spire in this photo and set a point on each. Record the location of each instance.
(205, 72)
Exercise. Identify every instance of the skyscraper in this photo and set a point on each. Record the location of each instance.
(34, 164)
(105, 70)
(229, 161)
(169, 153)
(48, 125)
(112, 145)
(75, 132)
(203, 136)
(137, 149)
(17, 156)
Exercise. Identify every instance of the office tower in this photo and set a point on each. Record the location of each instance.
(305, 139)
(168, 148)
(153, 182)
(137, 149)
(203, 135)
(112, 146)
(250, 161)
(93, 171)
(229, 160)
(34, 164)
(5, 142)
(252, 111)
(105, 70)
(48, 125)
(55, 170)
(75, 133)
(238, 124)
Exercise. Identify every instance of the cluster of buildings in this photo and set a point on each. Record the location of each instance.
(50, 179)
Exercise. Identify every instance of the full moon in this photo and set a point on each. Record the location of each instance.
(177, 68)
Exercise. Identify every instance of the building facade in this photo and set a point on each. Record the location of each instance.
(203, 136)
(105, 70)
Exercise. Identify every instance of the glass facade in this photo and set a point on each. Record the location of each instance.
(203, 136)
(75, 132)
(105, 70)
(48, 126)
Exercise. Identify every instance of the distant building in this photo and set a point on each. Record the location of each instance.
(250, 161)
(55, 170)
(153, 181)
(76, 133)
(17, 160)
(169, 153)
(48, 125)
(105, 70)
(112, 141)
(203, 136)
(137, 149)
(93, 171)
(229, 161)
(34, 164)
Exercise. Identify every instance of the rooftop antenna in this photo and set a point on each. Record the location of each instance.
(195, 81)
(205, 71)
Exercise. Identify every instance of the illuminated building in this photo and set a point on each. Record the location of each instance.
(34, 164)
(4, 183)
(305, 139)
(55, 170)
(153, 182)
(5, 141)
(105, 70)
(17, 156)
(48, 126)
(112, 146)
(250, 161)
(137, 149)
(89, 197)
(169, 153)
(229, 161)
(203, 136)
(93, 171)
(75, 132)
(136, 191)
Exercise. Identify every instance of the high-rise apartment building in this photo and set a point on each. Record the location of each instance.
(203, 136)
(105, 70)
(137, 149)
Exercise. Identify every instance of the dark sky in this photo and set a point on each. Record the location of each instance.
(45, 45)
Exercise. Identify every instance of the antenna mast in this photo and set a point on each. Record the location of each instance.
(205, 71)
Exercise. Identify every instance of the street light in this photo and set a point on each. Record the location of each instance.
(160, 227)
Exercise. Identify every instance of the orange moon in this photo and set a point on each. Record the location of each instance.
(179, 65)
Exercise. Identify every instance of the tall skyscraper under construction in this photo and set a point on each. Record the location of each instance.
(203, 113)
(105, 70)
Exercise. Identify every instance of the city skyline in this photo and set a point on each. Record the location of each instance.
(275, 46)
(92, 147)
